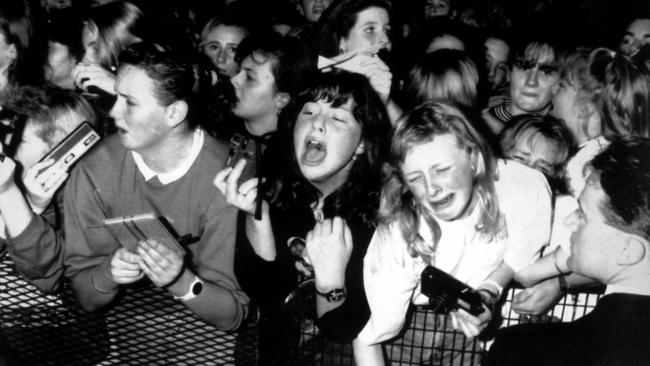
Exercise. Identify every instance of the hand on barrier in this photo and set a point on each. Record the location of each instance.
(161, 264)
(125, 267)
(537, 299)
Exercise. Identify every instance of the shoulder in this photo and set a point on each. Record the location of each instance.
(109, 152)
(512, 174)
(518, 183)
(214, 149)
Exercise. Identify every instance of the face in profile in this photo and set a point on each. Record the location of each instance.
(372, 28)
(566, 106)
(533, 81)
(60, 64)
(326, 138)
(220, 46)
(313, 9)
(636, 35)
(91, 47)
(496, 60)
(139, 117)
(534, 150)
(255, 88)
(593, 239)
(33, 147)
(439, 174)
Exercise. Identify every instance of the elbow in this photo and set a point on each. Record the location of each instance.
(230, 322)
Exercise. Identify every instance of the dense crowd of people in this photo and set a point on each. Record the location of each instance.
(347, 143)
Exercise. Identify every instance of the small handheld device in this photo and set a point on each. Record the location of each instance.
(446, 293)
(73, 147)
(241, 149)
(12, 125)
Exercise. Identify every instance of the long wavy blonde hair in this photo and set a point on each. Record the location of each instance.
(399, 206)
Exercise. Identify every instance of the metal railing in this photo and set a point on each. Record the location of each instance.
(148, 327)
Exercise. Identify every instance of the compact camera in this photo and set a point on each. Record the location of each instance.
(446, 293)
(11, 130)
(72, 148)
(241, 149)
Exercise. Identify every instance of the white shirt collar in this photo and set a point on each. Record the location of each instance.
(621, 289)
(174, 174)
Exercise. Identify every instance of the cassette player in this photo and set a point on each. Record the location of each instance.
(73, 147)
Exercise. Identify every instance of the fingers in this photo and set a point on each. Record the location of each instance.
(125, 267)
(161, 264)
(467, 323)
(347, 236)
(220, 179)
(86, 75)
(130, 259)
(241, 196)
(232, 180)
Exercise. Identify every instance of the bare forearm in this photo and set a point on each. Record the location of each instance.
(367, 355)
(260, 235)
(15, 211)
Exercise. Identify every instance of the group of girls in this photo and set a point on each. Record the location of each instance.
(361, 179)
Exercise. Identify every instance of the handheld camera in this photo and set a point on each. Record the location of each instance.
(72, 148)
(12, 125)
(446, 293)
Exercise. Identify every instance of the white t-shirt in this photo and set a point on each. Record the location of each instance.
(392, 276)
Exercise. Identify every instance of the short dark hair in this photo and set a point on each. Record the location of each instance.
(173, 74)
(624, 168)
(65, 27)
(337, 21)
(291, 65)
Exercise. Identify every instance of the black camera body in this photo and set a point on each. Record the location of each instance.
(11, 130)
(240, 149)
(446, 293)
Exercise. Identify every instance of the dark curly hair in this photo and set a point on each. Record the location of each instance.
(359, 194)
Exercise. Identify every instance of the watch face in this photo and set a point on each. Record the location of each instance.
(197, 288)
(335, 295)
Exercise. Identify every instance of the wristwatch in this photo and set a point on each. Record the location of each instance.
(195, 289)
(335, 295)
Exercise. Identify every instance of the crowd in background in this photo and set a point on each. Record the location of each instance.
(351, 143)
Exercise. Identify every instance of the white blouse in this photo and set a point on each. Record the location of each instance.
(392, 276)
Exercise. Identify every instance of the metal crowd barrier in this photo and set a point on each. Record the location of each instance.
(417, 345)
(148, 327)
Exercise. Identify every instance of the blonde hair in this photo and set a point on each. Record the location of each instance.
(399, 206)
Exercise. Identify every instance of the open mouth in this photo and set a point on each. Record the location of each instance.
(314, 153)
(443, 203)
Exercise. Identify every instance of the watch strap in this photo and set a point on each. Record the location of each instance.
(334, 295)
(196, 287)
